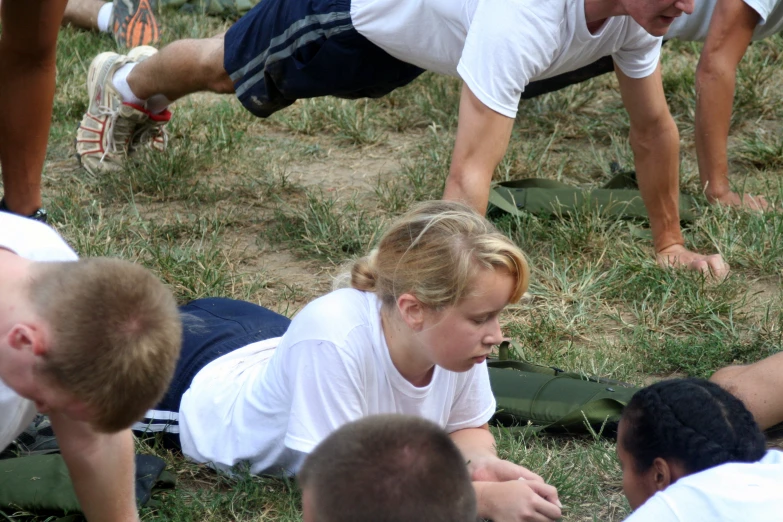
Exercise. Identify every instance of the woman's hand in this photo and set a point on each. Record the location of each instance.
(494, 469)
(518, 501)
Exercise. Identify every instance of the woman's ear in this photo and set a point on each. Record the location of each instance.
(411, 311)
(662, 474)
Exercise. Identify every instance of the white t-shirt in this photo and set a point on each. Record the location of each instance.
(730, 492)
(498, 46)
(331, 367)
(694, 27)
(38, 242)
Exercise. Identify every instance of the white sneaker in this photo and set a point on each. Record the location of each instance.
(105, 132)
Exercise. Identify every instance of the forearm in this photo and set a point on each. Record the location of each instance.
(482, 138)
(715, 84)
(102, 470)
(476, 444)
(27, 83)
(469, 185)
(656, 152)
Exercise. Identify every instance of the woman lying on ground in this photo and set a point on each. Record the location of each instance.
(411, 336)
(691, 451)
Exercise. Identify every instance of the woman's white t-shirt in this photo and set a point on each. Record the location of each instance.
(270, 403)
(729, 492)
(38, 242)
(497, 47)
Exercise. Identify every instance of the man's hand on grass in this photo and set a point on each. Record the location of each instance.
(746, 201)
(677, 256)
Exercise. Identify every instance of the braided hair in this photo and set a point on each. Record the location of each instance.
(693, 421)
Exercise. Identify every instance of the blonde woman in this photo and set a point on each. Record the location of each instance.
(410, 336)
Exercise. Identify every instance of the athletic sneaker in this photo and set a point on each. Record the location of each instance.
(151, 134)
(133, 22)
(104, 134)
(37, 439)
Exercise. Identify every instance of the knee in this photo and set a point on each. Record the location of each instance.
(212, 65)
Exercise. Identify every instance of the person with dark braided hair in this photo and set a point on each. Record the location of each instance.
(692, 451)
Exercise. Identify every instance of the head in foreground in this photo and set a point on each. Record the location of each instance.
(443, 274)
(98, 341)
(387, 468)
(679, 427)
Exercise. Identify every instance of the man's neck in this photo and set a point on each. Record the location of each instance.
(15, 307)
(596, 11)
(14, 277)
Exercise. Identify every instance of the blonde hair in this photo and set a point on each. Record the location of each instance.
(433, 252)
(115, 336)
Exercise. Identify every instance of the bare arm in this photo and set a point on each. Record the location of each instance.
(27, 71)
(101, 467)
(656, 147)
(731, 29)
(506, 492)
(482, 139)
(759, 386)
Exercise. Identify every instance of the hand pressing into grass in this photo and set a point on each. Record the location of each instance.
(746, 201)
(518, 501)
(677, 256)
(508, 492)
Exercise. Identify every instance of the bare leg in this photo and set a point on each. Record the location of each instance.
(182, 68)
(759, 386)
(83, 13)
(27, 73)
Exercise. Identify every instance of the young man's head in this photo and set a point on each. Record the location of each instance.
(95, 339)
(387, 468)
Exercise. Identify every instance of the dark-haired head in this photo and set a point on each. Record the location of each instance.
(387, 468)
(679, 427)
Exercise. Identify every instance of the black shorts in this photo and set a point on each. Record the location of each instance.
(283, 50)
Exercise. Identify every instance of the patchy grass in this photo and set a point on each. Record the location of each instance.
(268, 210)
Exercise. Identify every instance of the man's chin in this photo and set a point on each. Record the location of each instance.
(659, 26)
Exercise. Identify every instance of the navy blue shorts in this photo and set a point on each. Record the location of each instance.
(212, 328)
(283, 50)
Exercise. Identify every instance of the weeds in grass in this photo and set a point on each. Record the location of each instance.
(327, 228)
(763, 150)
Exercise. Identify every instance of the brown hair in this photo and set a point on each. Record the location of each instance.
(389, 468)
(115, 335)
(433, 252)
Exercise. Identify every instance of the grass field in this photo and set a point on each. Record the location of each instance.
(269, 210)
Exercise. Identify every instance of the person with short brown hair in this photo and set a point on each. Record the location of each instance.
(387, 468)
(93, 344)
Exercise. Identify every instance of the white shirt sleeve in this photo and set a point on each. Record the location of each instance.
(656, 509)
(640, 55)
(508, 43)
(327, 392)
(474, 404)
(762, 7)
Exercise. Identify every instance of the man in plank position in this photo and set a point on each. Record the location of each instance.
(92, 343)
(284, 50)
(727, 28)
